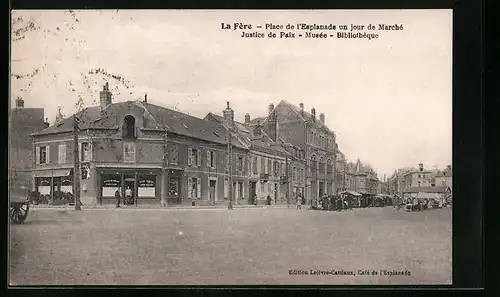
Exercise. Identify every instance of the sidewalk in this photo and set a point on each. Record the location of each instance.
(152, 207)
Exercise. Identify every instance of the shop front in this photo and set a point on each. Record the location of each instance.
(50, 182)
(134, 186)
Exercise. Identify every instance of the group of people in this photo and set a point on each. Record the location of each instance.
(331, 202)
(129, 198)
(415, 204)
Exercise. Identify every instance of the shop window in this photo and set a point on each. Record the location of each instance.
(147, 186)
(173, 187)
(110, 184)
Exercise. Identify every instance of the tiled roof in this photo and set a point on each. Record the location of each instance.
(175, 122)
(305, 116)
(263, 143)
(191, 126)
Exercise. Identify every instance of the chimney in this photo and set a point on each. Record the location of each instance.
(146, 97)
(257, 131)
(301, 105)
(228, 113)
(59, 115)
(313, 114)
(322, 118)
(270, 108)
(247, 118)
(272, 126)
(19, 102)
(421, 167)
(105, 96)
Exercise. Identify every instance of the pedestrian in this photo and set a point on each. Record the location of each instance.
(299, 202)
(269, 200)
(128, 196)
(117, 197)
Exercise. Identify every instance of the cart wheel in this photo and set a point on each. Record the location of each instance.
(18, 214)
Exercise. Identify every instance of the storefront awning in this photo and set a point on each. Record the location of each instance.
(52, 173)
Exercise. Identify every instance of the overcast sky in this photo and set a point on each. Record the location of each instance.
(389, 100)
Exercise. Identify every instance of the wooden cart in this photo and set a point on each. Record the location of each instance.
(19, 210)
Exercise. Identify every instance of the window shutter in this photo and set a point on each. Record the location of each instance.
(214, 155)
(208, 159)
(37, 154)
(190, 152)
(47, 150)
(225, 189)
(190, 187)
(198, 188)
(199, 158)
(90, 152)
(132, 150)
(80, 153)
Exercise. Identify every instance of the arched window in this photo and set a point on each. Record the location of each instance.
(314, 165)
(128, 128)
(329, 167)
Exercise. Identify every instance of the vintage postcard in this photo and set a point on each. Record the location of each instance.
(230, 147)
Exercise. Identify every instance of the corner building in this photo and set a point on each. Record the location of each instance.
(164, 156)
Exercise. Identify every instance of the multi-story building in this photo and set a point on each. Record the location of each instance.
(444, 178)
(417, 178)
(162, 155)
(312, 136)
(23, 122)
(269, 159)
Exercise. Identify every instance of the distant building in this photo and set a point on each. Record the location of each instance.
(444, 178)
(310, 135)
(418, 178)
(22, 123)
(268, 159)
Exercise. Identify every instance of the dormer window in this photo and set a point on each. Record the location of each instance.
(128, 128)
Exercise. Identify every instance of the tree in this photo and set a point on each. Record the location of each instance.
(85, 88)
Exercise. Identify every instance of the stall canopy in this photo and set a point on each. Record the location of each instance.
(351, 193)
(423, 195)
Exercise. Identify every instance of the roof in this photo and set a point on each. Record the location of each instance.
(305, 116)
(158, 117)
(244, 132)
(440, 189)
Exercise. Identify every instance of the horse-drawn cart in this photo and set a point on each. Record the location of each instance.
(19, 210)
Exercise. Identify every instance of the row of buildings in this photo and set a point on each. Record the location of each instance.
(412, 179)
(168, 157)
(357, 177)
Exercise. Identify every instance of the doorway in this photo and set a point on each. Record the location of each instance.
(252, 192)
(321, 189)
(212, 187)
(275, 193)
(129, 190)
